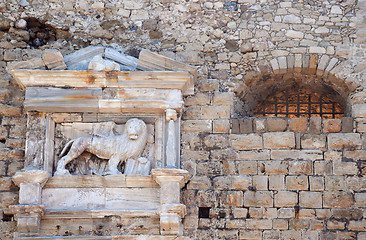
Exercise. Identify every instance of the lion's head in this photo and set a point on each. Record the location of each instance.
(135, 128)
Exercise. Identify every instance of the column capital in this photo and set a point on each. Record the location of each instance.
(31, 176)
(164, 175)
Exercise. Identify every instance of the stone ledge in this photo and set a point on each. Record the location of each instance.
(50, 214)
(121, 237)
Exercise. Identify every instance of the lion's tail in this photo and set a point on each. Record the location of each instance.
(66, 147)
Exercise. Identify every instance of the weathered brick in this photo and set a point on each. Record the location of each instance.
(235, 129)
(286, 213)
(254, 155)
(194, 155)
(258, 224)
(237, 223)
(323, 213)
(209, 168)
(347, 213)
(334, 224)
(198, 99)
(337, 199)
(276, 182)
(310, 199)
(347, 124)
(223, 98)
(247, 167)
(300, 167)
(315, 125)
(316, 183)
(299, 224)
(240, 212)
(199, 182)
(285, 199)
(357, 225)
(332, 125)
(291, 234)
(360, 199)
(215, 112)
(306, 213)
(232, 199)
(221, 126)
(222, 182)
(334, 183)
(197, 126)
(277, 140)
(338, 141)
(250, 234)
(260, 182)
(297, 182)
(277, 124)
(260, 125)
(280, 224)
(313, 141)
(298, 124)
(240, 182)
(246, 141)
(323, 167)
(258, 199)
(255, 212)
(345, 168)
(273, 167)
(296, 154)
(229, 167)
(246, 125)
(216, 141)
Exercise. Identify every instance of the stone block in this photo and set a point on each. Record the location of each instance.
(197, 126)
(285, 199)
(30, 193)
(246, 125)
(199, 182)
(250, 234)
(260, 182)
(232, 199)
(280, 224)
(254, 155)
(215, 112)
(246, 141)
(255, 212)
(313, 141)
(332, 125)
(348, 213)
(323, 167)
(316, 183)
(240, 212)
(235, 127)
(247, 167)
(199, 99)
(310, 199)
(347, 124)
(258, 224)
(223, 98)
(53, 59)
(298, 124)
(258, 199)
(357, 225)
(360, 199)
(279, 140)
(286, 213)
(315, 125)
(339, 141)
(273, 167)
(276, 182)
(260, 125)
(221, 126)
(240, 182)
(300, 167)
(297, 182)
(335, 225)
(277, 124)
(299, 224)
(345, 168)
(337, 199)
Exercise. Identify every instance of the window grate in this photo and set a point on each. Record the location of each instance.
(303, 103)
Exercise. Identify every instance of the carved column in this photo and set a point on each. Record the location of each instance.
(171, 209)
(171, 147)
(30, 209)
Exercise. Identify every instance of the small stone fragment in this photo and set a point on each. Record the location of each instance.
(21, 24)
(53, 59)
(99, 64)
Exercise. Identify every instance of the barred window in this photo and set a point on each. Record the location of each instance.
(300, 103)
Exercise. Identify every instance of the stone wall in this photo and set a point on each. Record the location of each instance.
(281, 179)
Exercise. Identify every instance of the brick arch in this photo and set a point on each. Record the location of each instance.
(318, 72)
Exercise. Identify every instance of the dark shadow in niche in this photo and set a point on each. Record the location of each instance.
(204, 212)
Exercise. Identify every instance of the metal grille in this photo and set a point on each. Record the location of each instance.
(302, 103)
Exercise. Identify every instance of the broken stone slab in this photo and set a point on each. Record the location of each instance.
(128, 63)
(53, 59)
(34, 63)
(100, 64)
(80, 60)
